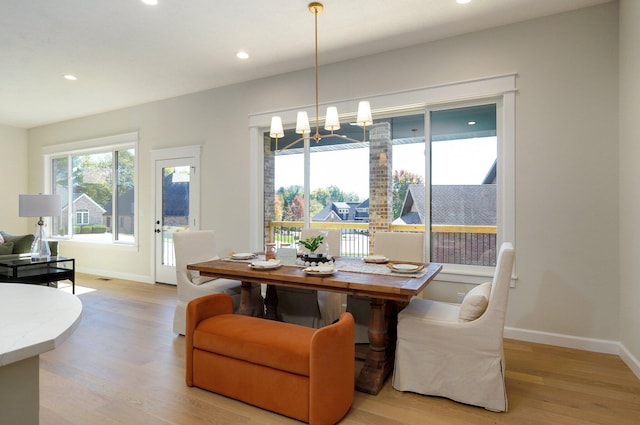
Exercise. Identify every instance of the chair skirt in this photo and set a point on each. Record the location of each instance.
(436, 355)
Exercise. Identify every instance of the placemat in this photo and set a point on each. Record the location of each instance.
(373, 268)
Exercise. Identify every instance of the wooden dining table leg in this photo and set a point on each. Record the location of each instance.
(380, 355)
(271, 304)
(246, 306)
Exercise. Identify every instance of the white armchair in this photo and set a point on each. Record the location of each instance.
(397, 246)
(194, 247)
(307, 307)
(456, 350)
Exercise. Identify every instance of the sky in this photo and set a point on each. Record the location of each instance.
(464, 161)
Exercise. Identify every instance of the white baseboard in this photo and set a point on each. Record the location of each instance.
(579, 343)
(630, 360)
(115, 275)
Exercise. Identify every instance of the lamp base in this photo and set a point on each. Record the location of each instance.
(40, 250)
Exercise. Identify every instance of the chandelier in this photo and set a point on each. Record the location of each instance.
(332, 121)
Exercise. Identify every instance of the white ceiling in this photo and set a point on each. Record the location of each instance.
(126, 53)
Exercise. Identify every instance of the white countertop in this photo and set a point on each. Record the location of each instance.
(34, 319)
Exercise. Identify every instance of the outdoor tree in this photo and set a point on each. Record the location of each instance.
(297, 209)
(93, 176)
(401, 181)
(277, 206)
(289, 201)
(126, 170)
(287, 194)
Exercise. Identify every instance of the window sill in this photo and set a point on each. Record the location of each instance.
(468, 274)
(97, 242)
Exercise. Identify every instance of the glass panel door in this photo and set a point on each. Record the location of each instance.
(175, 211)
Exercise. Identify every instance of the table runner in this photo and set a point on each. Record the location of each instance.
(359, 266)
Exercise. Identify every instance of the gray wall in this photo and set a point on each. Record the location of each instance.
(629, 273)
(14, 169)
(567, 156)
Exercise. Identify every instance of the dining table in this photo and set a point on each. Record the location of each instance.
(388, 289)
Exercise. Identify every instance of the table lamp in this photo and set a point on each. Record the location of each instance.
(39, 206)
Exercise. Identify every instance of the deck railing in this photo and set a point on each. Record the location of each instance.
(472, 245)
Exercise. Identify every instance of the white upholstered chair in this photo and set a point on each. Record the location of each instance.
(444, 350)
(194, 247)
(308, 307)
(397, 246)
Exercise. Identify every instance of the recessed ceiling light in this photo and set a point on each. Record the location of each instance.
(70, 77)
(463, 1)
(242, 55)
(471, 123)
(150, 2)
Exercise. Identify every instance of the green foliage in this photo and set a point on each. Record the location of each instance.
(99, 193)
(287, 198)
(289, 201)
(126, 169)
(93, 174)
(315, 207)
(312, 243)
(98, 228)
(86, 229)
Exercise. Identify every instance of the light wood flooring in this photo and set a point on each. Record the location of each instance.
(124, 365)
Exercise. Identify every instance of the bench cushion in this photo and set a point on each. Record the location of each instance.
(277, 345)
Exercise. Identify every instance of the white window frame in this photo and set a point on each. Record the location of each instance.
(500, 89)
(83, 214)
(467, 273)
(85, 147)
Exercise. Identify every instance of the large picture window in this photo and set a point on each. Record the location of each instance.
(451, 176)
(459, 168)
(97, 187)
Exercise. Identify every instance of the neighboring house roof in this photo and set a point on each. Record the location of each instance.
(78, 196)
(490, 178)
(331, 212)
(364, 204)
(125, 204)
(176, 196)
(324, 214)
(451, 204)
(413, 208)
(341, 205)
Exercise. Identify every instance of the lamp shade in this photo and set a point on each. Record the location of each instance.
(39, 205)
(302, 123)
(364, 114)
(332, 122)
(276, 127)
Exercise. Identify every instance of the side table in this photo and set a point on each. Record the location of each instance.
(54, 269)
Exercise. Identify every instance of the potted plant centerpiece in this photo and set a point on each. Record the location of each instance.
(312, 244)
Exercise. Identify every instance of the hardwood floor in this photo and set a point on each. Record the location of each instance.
(124, 365)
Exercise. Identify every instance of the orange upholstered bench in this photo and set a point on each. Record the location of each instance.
(304, 373)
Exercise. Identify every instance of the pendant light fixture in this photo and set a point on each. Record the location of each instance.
(332, 121)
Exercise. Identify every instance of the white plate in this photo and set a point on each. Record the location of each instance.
(320, 270)
(375, 259)
(242, 255)
(265, 265)
(404, 268)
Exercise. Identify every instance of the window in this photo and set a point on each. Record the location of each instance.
(96, 181)
(459, 167)
(82, 217)
(339, 177)
(467, 208)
